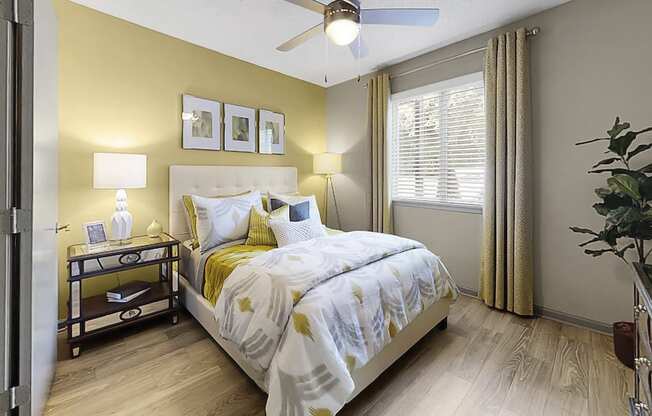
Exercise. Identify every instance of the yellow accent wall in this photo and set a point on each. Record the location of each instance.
(120, 88)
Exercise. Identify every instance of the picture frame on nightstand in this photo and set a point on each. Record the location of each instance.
(95, 234)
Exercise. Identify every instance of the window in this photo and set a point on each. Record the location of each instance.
(438, 143)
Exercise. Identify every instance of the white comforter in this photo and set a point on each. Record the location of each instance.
(311, 312)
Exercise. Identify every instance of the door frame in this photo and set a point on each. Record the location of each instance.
(16, 132)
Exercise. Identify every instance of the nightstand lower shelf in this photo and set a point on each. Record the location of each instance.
(101, 316)
(97, 306)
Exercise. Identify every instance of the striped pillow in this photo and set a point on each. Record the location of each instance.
(260, 234)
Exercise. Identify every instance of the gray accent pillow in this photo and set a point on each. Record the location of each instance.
(298, 212)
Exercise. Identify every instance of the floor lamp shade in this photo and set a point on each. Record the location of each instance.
(120, 171)
(327, 163)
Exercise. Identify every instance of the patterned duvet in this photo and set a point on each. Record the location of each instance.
(309, 313)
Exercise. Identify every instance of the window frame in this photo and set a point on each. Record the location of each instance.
(416, 92)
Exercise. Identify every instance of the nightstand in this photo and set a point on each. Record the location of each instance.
(92, 316)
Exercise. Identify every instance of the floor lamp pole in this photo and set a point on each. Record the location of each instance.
(329, 180)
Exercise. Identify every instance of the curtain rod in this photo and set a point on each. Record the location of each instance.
(533, 32)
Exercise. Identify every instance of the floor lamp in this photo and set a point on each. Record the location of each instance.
(328, 164)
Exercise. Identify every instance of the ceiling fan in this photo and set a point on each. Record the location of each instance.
(342, 20)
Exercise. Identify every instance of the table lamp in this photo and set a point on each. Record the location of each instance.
(120, 171)
(328, 164)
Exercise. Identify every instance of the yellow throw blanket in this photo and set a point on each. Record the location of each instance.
(222, 263)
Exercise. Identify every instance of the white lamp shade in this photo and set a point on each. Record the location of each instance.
(119, 171)
(327, 163)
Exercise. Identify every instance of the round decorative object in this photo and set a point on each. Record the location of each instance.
(131, 258)
(130, 314)
(155, 229)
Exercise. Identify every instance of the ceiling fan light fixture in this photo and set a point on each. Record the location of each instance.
(342, 32)
(342, 22)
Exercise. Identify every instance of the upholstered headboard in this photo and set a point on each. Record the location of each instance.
(222, 180)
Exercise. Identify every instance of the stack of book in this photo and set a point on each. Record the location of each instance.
(128, 292)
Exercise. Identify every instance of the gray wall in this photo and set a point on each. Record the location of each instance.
(590, 62)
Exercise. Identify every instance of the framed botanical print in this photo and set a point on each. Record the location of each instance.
(239, 128)
(271, 132)
(201, 123)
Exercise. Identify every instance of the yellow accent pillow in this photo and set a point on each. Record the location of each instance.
(260, 233)
(192, 214)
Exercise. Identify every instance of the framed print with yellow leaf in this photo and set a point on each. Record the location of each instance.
(239, 128)
(271, 132)
(201, 123)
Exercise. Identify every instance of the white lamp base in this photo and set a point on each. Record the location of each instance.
(121, 221)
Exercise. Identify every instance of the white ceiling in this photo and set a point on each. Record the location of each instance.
(251, 29)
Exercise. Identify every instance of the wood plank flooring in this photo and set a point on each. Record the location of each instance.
(485, 363)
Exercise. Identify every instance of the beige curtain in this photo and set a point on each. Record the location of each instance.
(506, 278)
(378, 105)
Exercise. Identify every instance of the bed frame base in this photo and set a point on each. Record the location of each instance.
(435, 316)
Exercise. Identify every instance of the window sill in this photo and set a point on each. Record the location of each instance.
(439, 206)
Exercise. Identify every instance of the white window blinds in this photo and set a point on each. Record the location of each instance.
(438, 143)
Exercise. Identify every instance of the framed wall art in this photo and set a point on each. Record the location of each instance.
(201, 123)
(271, 132)
(239, 128)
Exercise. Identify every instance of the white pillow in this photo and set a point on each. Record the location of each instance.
(223, 220)
(287, 232)
(296, 199)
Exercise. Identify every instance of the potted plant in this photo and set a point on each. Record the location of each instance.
(626, 205)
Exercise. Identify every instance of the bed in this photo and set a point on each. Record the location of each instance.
(222, 180)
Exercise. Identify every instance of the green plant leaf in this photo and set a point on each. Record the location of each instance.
(614, 201)
(640, 148)
(593, 240)
(643, 229)
(619, 145)
(646, 214)
(638, 174)
(602, 192)
(601, 209)
(621, 253)
(646, 169)
(610, 235)
(583, 231)
(646, 189)
(596, 253)
(625, 184)
(607, 161)
(592, 140)
(625, 218)
(617, 128)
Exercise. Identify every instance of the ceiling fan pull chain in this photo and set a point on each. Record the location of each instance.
(326, 58)
(359, 48)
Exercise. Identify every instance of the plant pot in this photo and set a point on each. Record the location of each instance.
(624, 342)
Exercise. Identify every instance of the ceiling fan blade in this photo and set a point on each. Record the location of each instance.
(313, 5)
(402, 17)
(353, 46)
(303, 37)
